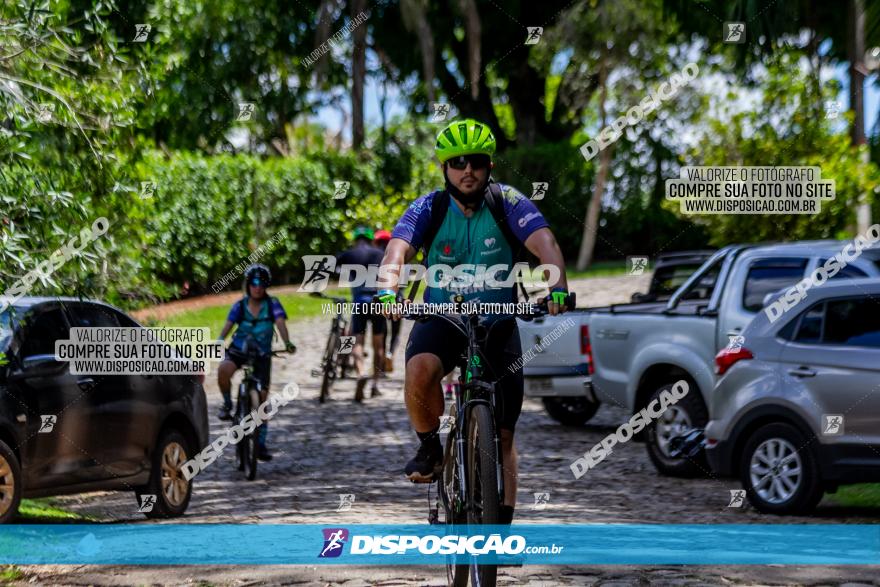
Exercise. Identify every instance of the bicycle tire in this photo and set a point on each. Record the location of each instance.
(240, 409)
(329, 365)
(482, 482)
(456, 574)
(250, 441)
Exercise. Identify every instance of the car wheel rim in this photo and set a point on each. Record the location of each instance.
(673, 422)
(775, 470)
(174, 484)
(7, 486)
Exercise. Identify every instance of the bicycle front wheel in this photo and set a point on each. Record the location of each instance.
(483, 491)
(249, 442)
(241, 410)
(448, 488)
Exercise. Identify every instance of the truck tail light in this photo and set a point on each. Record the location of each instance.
(727, 357)
(587, 348)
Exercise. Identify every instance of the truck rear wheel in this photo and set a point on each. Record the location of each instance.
(570, 411)
(685, 415)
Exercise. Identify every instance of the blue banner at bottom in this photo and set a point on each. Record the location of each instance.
(570, 544)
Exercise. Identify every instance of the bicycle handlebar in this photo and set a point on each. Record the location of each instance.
(530, 311)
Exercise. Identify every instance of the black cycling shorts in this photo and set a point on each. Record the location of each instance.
(502, 350)
(359, 321)
(262, 366)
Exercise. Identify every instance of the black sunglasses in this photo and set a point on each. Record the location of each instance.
(476, 161)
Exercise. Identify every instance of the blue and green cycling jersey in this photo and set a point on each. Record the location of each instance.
(260, 327)
(476, 240)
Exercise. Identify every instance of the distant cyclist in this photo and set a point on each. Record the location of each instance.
(475, 222)
(257, 315)
(364, 254)
(381, 240)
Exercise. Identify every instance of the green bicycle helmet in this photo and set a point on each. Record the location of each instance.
(464, 137)
(363, 232)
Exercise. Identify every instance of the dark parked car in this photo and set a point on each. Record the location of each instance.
(670, 271)
(62, 433)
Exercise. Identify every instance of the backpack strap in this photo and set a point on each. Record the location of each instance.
(495, 202)
(439, 207)
(242, 308)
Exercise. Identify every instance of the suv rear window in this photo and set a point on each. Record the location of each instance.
(768, 276)
(852, 322)
(810, 329)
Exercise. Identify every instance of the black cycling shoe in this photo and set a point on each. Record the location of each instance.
(263, 453)
(225, 413)
(427, 463)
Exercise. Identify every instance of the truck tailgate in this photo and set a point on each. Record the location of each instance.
(551, 350)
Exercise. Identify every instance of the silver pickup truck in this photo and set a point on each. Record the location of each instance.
(627, 354)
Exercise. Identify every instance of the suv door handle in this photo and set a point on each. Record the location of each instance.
(802, 371)
(85, 383)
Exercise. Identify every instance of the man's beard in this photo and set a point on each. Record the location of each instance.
(466, 199)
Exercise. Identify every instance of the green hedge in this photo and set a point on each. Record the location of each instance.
(211, 212)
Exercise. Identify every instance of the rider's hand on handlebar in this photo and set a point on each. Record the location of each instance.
(558, 301)
(389, 300)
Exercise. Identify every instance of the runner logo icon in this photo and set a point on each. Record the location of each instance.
(334, 541)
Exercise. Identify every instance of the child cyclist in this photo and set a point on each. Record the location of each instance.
(257, 315)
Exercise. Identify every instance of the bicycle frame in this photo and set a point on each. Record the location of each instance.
(473, 390)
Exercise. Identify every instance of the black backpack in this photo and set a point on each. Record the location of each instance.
(495, 201)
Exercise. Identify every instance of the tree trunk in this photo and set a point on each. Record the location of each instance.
(591, 222)
(474, 30)
(415, 19)
(358, 75)
(322, 32)
(856, 54)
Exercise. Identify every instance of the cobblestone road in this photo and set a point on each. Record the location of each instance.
(346, 448)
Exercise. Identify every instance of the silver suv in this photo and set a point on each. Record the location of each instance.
(796, 411)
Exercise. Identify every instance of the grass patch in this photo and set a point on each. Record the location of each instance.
(10, 573)
(865, 495)
(47, 509)
(297, 305)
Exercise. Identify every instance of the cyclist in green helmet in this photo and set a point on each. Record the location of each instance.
(477, 222)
